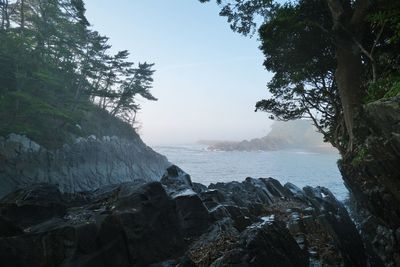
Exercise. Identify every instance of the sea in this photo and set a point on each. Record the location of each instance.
(301, 168)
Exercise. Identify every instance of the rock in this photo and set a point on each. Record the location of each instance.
(32, 205)
(210, 246)
(198, 188)
(8, 228)
(86, 164)
(175, 180)
(339, 225)
(193, 215)
(138, 227)
(268, 245)
(212, 198)
(252, 192)
(241, 217)
(372, 175)
(296, 192)
(143, 223)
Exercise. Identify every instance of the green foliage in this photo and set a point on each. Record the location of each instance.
(394, 90)
(55, 72)
(300, 40)
(360, 156)
(383, 88)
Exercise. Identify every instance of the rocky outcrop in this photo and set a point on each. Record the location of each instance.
(372, 175)
(298, 134)
(86, 164)
(257, 222)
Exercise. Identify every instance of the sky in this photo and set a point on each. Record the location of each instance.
(207, 77)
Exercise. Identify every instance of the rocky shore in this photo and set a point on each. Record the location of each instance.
(174, 222)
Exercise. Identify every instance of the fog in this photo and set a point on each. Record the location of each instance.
(207, 78)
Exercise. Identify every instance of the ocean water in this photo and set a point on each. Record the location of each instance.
(298, 167)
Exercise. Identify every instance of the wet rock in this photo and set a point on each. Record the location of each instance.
(212, 198)
(175, 180)
(199, 188)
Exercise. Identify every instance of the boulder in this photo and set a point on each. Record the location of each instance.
(176, 180)
(193, 215)
(138, 226)
(267, 244)
(32, 205)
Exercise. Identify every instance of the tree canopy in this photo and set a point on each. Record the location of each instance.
(52, 64)
(328, 58)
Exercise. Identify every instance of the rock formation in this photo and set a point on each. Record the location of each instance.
(372, 175)
(86, 164)
(175, 222)
(299, 134)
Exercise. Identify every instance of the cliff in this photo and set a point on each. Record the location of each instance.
(86, 164)
(372, 175)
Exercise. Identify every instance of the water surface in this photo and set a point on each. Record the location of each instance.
(298, 167)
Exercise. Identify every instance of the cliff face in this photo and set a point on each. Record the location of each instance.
(86, 164)
(372, 175)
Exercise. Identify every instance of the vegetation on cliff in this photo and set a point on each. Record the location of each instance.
(58, 78)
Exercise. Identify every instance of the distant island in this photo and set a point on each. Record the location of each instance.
(299, 134)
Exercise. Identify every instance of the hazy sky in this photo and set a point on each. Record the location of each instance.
(207, 78)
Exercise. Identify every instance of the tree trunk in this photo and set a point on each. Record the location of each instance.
(348, 78)
(348, 23)
(22, 10)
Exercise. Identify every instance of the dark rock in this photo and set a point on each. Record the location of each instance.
(150, 222)
(199, 188)
(210, 246)
(268, 244)
(254, 223)
(140, 226)
(241, 217)
(296, 192)
(338, 223)
(175, 179)
(212, 198)
(372, 175)
(33, 205)
(251, 192)
(8, 228)
(193, 215)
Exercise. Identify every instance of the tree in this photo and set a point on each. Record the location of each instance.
(49, 49)
(55, 71)
(303, 85)
(326, 53)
